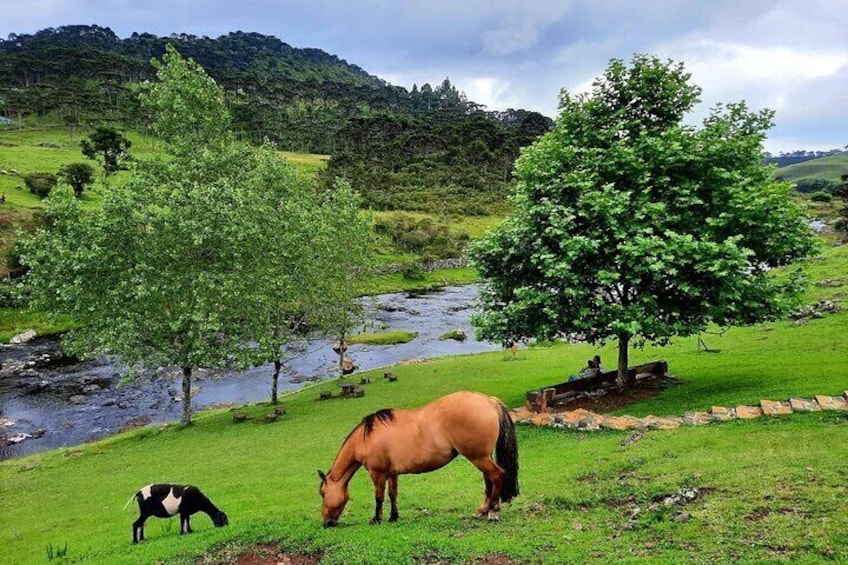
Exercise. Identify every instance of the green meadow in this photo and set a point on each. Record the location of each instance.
(827, 168)
(770, 490)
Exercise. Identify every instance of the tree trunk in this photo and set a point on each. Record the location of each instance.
(185, 419)
(342, 350)
(623, 379)
(274, 380)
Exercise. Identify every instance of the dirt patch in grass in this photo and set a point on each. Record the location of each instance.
(494, 559)
(270, 555)
(612, 399)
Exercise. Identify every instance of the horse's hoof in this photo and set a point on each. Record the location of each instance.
(478, 515)
(393, 518)
(374, 521)
(494, 517)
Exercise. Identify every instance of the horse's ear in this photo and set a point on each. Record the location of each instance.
(323, 476)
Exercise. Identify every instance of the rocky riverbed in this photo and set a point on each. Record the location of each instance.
(49, 400)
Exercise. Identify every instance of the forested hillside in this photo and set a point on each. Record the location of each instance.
(394, 143)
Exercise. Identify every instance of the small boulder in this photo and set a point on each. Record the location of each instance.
(78, 399)
(456, 335)
(23, 337)
(269, 418)
(239, 417)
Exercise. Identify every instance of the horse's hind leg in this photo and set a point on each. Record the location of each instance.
(379, 493)
(484, 506)
(393, 484)
(493, 476)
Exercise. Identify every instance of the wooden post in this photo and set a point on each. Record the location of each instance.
(547, 399)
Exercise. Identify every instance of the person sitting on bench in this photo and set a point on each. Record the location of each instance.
(587, 372)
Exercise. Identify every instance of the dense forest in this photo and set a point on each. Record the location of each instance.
(784, 159)
(399, 147)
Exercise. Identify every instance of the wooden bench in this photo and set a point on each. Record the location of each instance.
(541, 400)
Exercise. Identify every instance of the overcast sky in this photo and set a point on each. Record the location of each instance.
(791, 56)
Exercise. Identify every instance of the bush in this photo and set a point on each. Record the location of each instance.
(821, 196)
(78, 175)
(40, 184)
(816, 185)
(10, 295)
(413, 272)
(423, 236)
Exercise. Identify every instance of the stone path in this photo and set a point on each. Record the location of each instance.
(584, 420)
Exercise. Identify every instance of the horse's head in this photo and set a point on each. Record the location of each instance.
(335, 496)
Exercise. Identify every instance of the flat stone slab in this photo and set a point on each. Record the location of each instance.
(544, 419)
(520, 415)
(804, 405)
(775, 407)
(619, 422)
(660, 423)
(694, 418)
(832, 402)
(722, 414)
(748, 412)
(571, 417)
(582, 419)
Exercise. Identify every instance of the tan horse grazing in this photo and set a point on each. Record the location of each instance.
(393, 442)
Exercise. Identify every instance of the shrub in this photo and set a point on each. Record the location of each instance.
(423, 236)
(40, 184)
(816, 185)
(821, 196)
(78, 175)
(412, 272)
(10, 295)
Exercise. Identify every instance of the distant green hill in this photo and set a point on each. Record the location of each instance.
(415, 149)
(827, 168)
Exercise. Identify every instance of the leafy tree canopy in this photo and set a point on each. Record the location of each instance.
(630, 225)
(78, 175)
(107, 145)
(192, 255)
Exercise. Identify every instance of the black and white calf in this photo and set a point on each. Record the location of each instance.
(164, 501)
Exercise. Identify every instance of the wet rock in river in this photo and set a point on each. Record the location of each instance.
(23, 337)
(78, 399)
(136, 422)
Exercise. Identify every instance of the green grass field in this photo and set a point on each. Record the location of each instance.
(827, 168)
(770, 490)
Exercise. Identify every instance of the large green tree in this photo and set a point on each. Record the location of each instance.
(630, 225)
(315, 254)
(163, 273)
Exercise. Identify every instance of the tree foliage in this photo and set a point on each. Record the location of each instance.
(183, 263)
(630, 225)
(109, 146)
(78, 175)
(40, 184)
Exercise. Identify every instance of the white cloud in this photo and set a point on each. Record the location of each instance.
(521, 25)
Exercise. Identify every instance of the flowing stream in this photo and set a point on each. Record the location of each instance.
(48, 400)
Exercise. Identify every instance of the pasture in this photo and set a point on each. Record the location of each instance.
(770, 490)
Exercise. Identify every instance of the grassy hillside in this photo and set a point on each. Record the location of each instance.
(828, 168)
(770, 490)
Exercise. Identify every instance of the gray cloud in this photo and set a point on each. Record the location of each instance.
(787, 54)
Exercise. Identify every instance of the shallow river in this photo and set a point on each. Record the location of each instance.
(48, 401)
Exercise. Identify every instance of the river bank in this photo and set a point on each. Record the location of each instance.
(49, 400)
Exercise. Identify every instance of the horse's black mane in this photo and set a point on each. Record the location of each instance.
(383, 416)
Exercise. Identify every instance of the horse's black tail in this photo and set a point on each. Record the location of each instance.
(506, 455)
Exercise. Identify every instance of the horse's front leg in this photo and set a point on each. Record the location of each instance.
(379, 492)
(393, 484)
